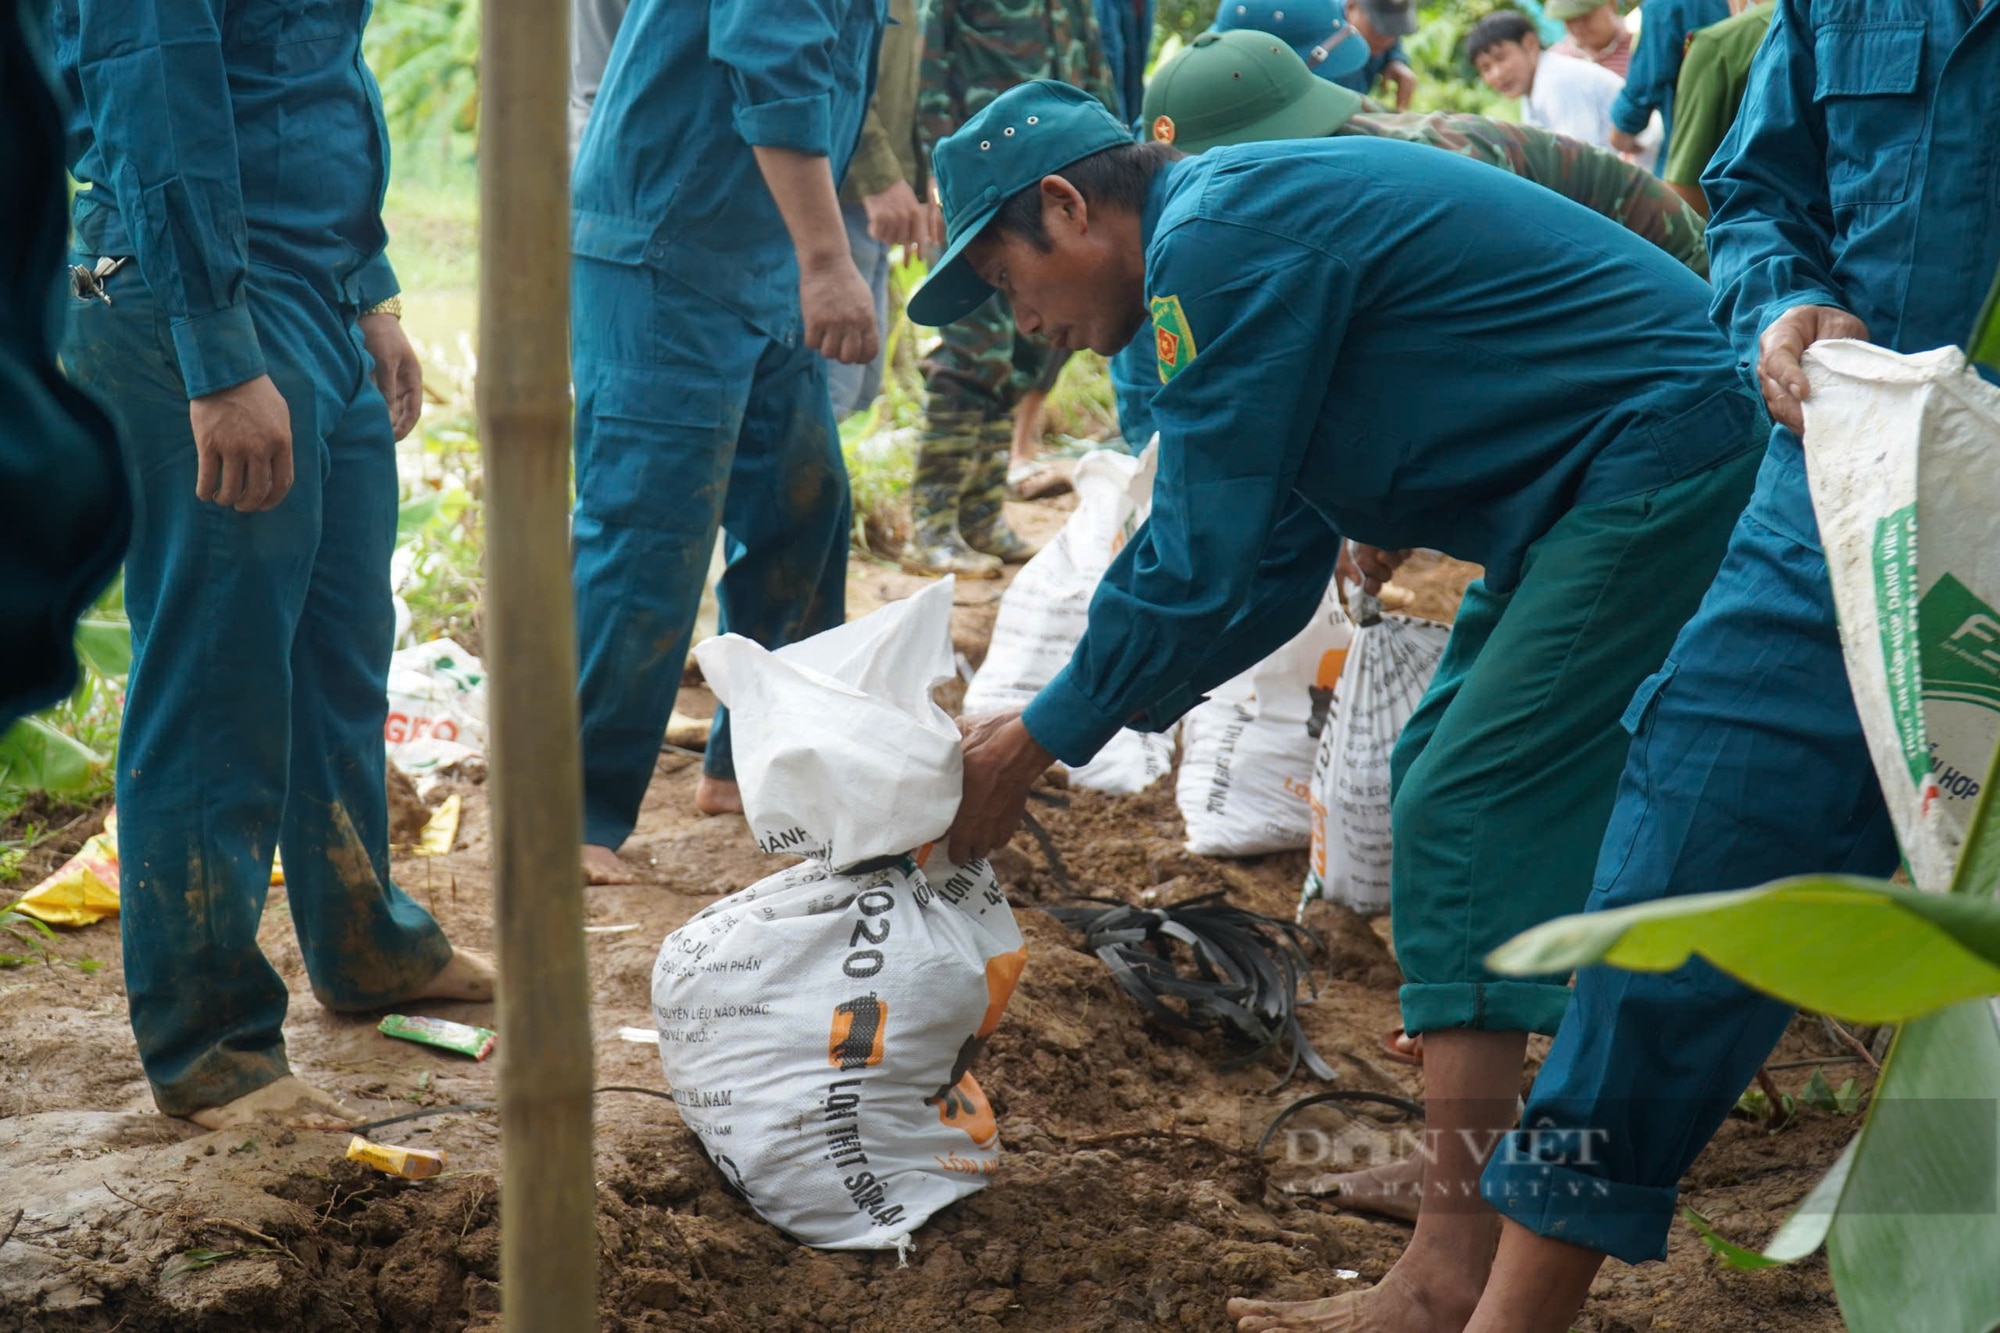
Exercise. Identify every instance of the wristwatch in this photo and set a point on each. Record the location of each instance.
(392, 306)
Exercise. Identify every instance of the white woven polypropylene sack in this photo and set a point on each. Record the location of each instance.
(1247, 757)
(818, 1027)
(1388, 669)
(437, 707)
(1903, 459)
(1044, 612)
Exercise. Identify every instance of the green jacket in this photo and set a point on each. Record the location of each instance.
(888, 149)
(974, 50)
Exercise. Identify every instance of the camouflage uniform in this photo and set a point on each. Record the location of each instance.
(974, 50)
(1601, 181)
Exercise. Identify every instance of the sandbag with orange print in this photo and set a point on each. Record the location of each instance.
(819, 1027)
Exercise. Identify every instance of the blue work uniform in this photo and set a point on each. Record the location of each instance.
(697, 403)
(64, 511)
(1859, 174)
(1127, 30)
(1349, 345)
(237, 162)
(1364, 79)
(1655, 70)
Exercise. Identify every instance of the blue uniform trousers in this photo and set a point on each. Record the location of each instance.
(688, 416)
(255, 708)
(1747, 764)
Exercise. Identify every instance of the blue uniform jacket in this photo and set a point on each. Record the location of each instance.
(1378, 348)
(211, 135)
(1364, 79)
(1127, 28)
(1655, 70)
(1863, 172)
(665, 175)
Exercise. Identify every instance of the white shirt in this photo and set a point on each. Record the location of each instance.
(1574, 97)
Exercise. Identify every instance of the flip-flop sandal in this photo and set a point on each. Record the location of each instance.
(1392, 1046)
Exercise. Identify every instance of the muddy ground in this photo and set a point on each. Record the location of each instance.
(1131, 1196)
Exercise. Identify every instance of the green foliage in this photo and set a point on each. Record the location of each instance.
(1984, 344)
(425, 54)
(440, 526)
(1728, 1251)
(65, 751)
(24, 932)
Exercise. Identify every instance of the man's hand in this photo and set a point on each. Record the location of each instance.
(897, 217)
(243, 446)
(1370, 566)
(1405, 80)
(1779, 373)
(398, 373)
(1623, 142)
(1002, 761)
(839, 310)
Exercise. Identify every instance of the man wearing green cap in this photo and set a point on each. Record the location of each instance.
(1356, 336)
(1241, 87)
(1596, 33)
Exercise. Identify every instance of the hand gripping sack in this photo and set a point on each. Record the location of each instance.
(1388, 670)
(1247, 753)
(1044, 611)
(1903, 459)
(818, 1027)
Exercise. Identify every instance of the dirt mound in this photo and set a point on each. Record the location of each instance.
(1130, 1197)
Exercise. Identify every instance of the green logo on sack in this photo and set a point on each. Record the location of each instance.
(1896, 616)
(1961, 645)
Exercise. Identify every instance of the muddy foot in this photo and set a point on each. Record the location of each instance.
(287, 1101)
(1395, 1305)
(718, 796)
(468, 976)
(601, 865)
(1394, 1190)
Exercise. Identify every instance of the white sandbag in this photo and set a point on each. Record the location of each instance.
(1388, 669)
(1044, 612)
(1903, 458)
(437, 708)
(818, 1027)
(1247, 760)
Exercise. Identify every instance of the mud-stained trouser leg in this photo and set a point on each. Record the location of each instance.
(222, 606)
(1747, 764)
(681, 404)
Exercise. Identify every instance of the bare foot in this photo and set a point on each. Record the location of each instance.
(287, 1101)
(601, 865)
(1393, 1190)
(1395, 1305)
(468, 976)
(718, 796)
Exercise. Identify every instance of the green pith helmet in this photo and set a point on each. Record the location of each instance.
(1241, 87)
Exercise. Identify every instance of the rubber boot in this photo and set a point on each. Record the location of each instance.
(944, 455)
(982, 508)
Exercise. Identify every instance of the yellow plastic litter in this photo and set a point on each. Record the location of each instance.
(85, 888)
(409, 1163)
(442, 830)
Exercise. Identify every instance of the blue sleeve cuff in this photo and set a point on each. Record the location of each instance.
(1065, 722)
(1165, 712)
(375, 282)
(1628, 115)
(218, 350)
(802, 124)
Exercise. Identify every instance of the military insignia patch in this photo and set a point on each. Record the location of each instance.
(1172, 339)
(1163, 128)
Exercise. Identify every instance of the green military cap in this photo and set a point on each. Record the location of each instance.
(1030, 131)
(1241, 87)
(1564, 10)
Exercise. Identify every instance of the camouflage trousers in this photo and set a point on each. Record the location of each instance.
(973, 382)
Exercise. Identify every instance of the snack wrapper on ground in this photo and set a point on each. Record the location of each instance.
(818, 1028)
(1247, 753)
(442, 1033)
(1903, 457)
(84, 889)
(1045, 609)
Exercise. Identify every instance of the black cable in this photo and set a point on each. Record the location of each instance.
(1048, 846)
(1403, 1104)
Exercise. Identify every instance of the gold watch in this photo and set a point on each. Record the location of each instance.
(392, 306)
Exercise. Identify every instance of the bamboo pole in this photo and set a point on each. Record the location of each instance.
(548, 1245)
